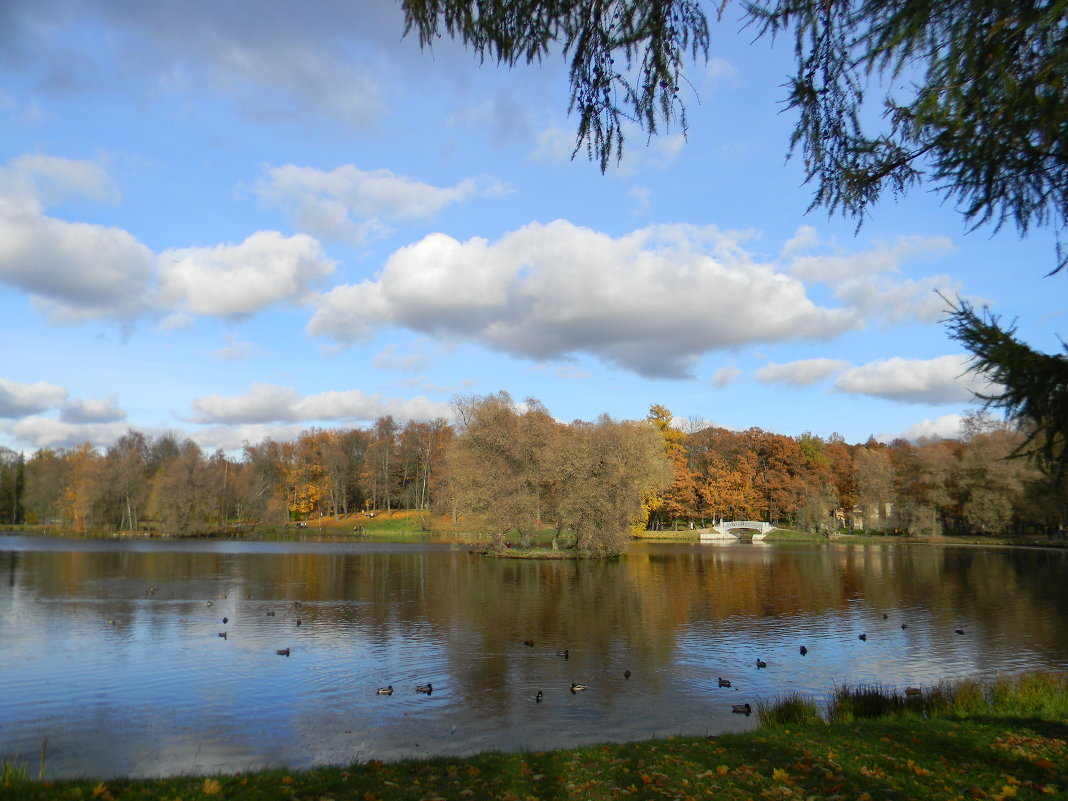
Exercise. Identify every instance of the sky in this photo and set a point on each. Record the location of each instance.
(244, 219)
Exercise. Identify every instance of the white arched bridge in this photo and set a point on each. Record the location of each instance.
(736, 530)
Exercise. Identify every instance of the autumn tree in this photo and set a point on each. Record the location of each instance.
(604, 470)
(12, 485)
(180, 492)
(126, 480)
(497, 464)
(680, 499)
(47, 474)
(875, 486)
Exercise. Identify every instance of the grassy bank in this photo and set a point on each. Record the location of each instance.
(1007, 740)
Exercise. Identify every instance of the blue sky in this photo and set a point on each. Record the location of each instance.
(234, 220)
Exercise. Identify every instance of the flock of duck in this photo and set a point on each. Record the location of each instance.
(428, 688)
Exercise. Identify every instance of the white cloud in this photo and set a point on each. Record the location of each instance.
(944, 427)
(870, 280)
(349, 204)
(651, 301)
(719, 72)
(17, 399)
(554, 145)
(801, 373)
(46, 432)
(268, 403)
(941, 380)
(103, 410)
(392, 358)
(73, 271)
(725, 376)
(234, 350)
(237, 280)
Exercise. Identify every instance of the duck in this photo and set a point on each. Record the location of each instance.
(538, 696)
(803, 650)
(528, 643)
(724, 682)
(226, 620)
(270, 614)
(564, 653)
(904, 625)
(959, 631)
(282, 652)
(387, 690)
(761, 663)
(913, 691)
(426, 689)
(298, 622)
(885, 616)
(862, 637)
(222, 634)
(577, 688)
(626, 674)
(742, 709)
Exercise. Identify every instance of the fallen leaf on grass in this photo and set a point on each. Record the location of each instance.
(211, 787)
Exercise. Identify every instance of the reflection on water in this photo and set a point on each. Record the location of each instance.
(112, 650)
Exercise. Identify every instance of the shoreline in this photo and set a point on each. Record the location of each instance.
(968, 739)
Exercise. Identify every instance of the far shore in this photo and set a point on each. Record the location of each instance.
(410, 526)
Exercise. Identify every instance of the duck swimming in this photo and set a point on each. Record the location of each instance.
(862, 637)
(426, 689)
(577, 688)
(528, 643)
(742, 709)
(804, 650)
(282, 652)
(384, 690)
(564, 653)
(626, 674)
(761, 664)
(724, 682)
(538, 697)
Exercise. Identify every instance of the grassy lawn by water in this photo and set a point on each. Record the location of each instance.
(1013, 744)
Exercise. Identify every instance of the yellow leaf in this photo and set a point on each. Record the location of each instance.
(212, 787)
(780, 775)
(722, 770)
(99, 790)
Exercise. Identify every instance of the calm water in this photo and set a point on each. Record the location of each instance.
(112, 651)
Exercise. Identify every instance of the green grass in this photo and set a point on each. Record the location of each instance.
(1014, 746)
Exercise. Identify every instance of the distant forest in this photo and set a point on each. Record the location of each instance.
(507, 467)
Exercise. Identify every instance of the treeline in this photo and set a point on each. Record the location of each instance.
(505, 468)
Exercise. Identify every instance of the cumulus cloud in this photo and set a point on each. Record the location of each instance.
(349, 204)
(871, 280)
(72, 271)
(725, 376)
(18, 399)
(650, 302)
(944, 427)
(941, 380)
(36, 431)
(102, 410)
(801, 373)
(392, 357)
(269, 403)
(234, 281)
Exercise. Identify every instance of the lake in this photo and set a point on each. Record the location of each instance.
(112, 650)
